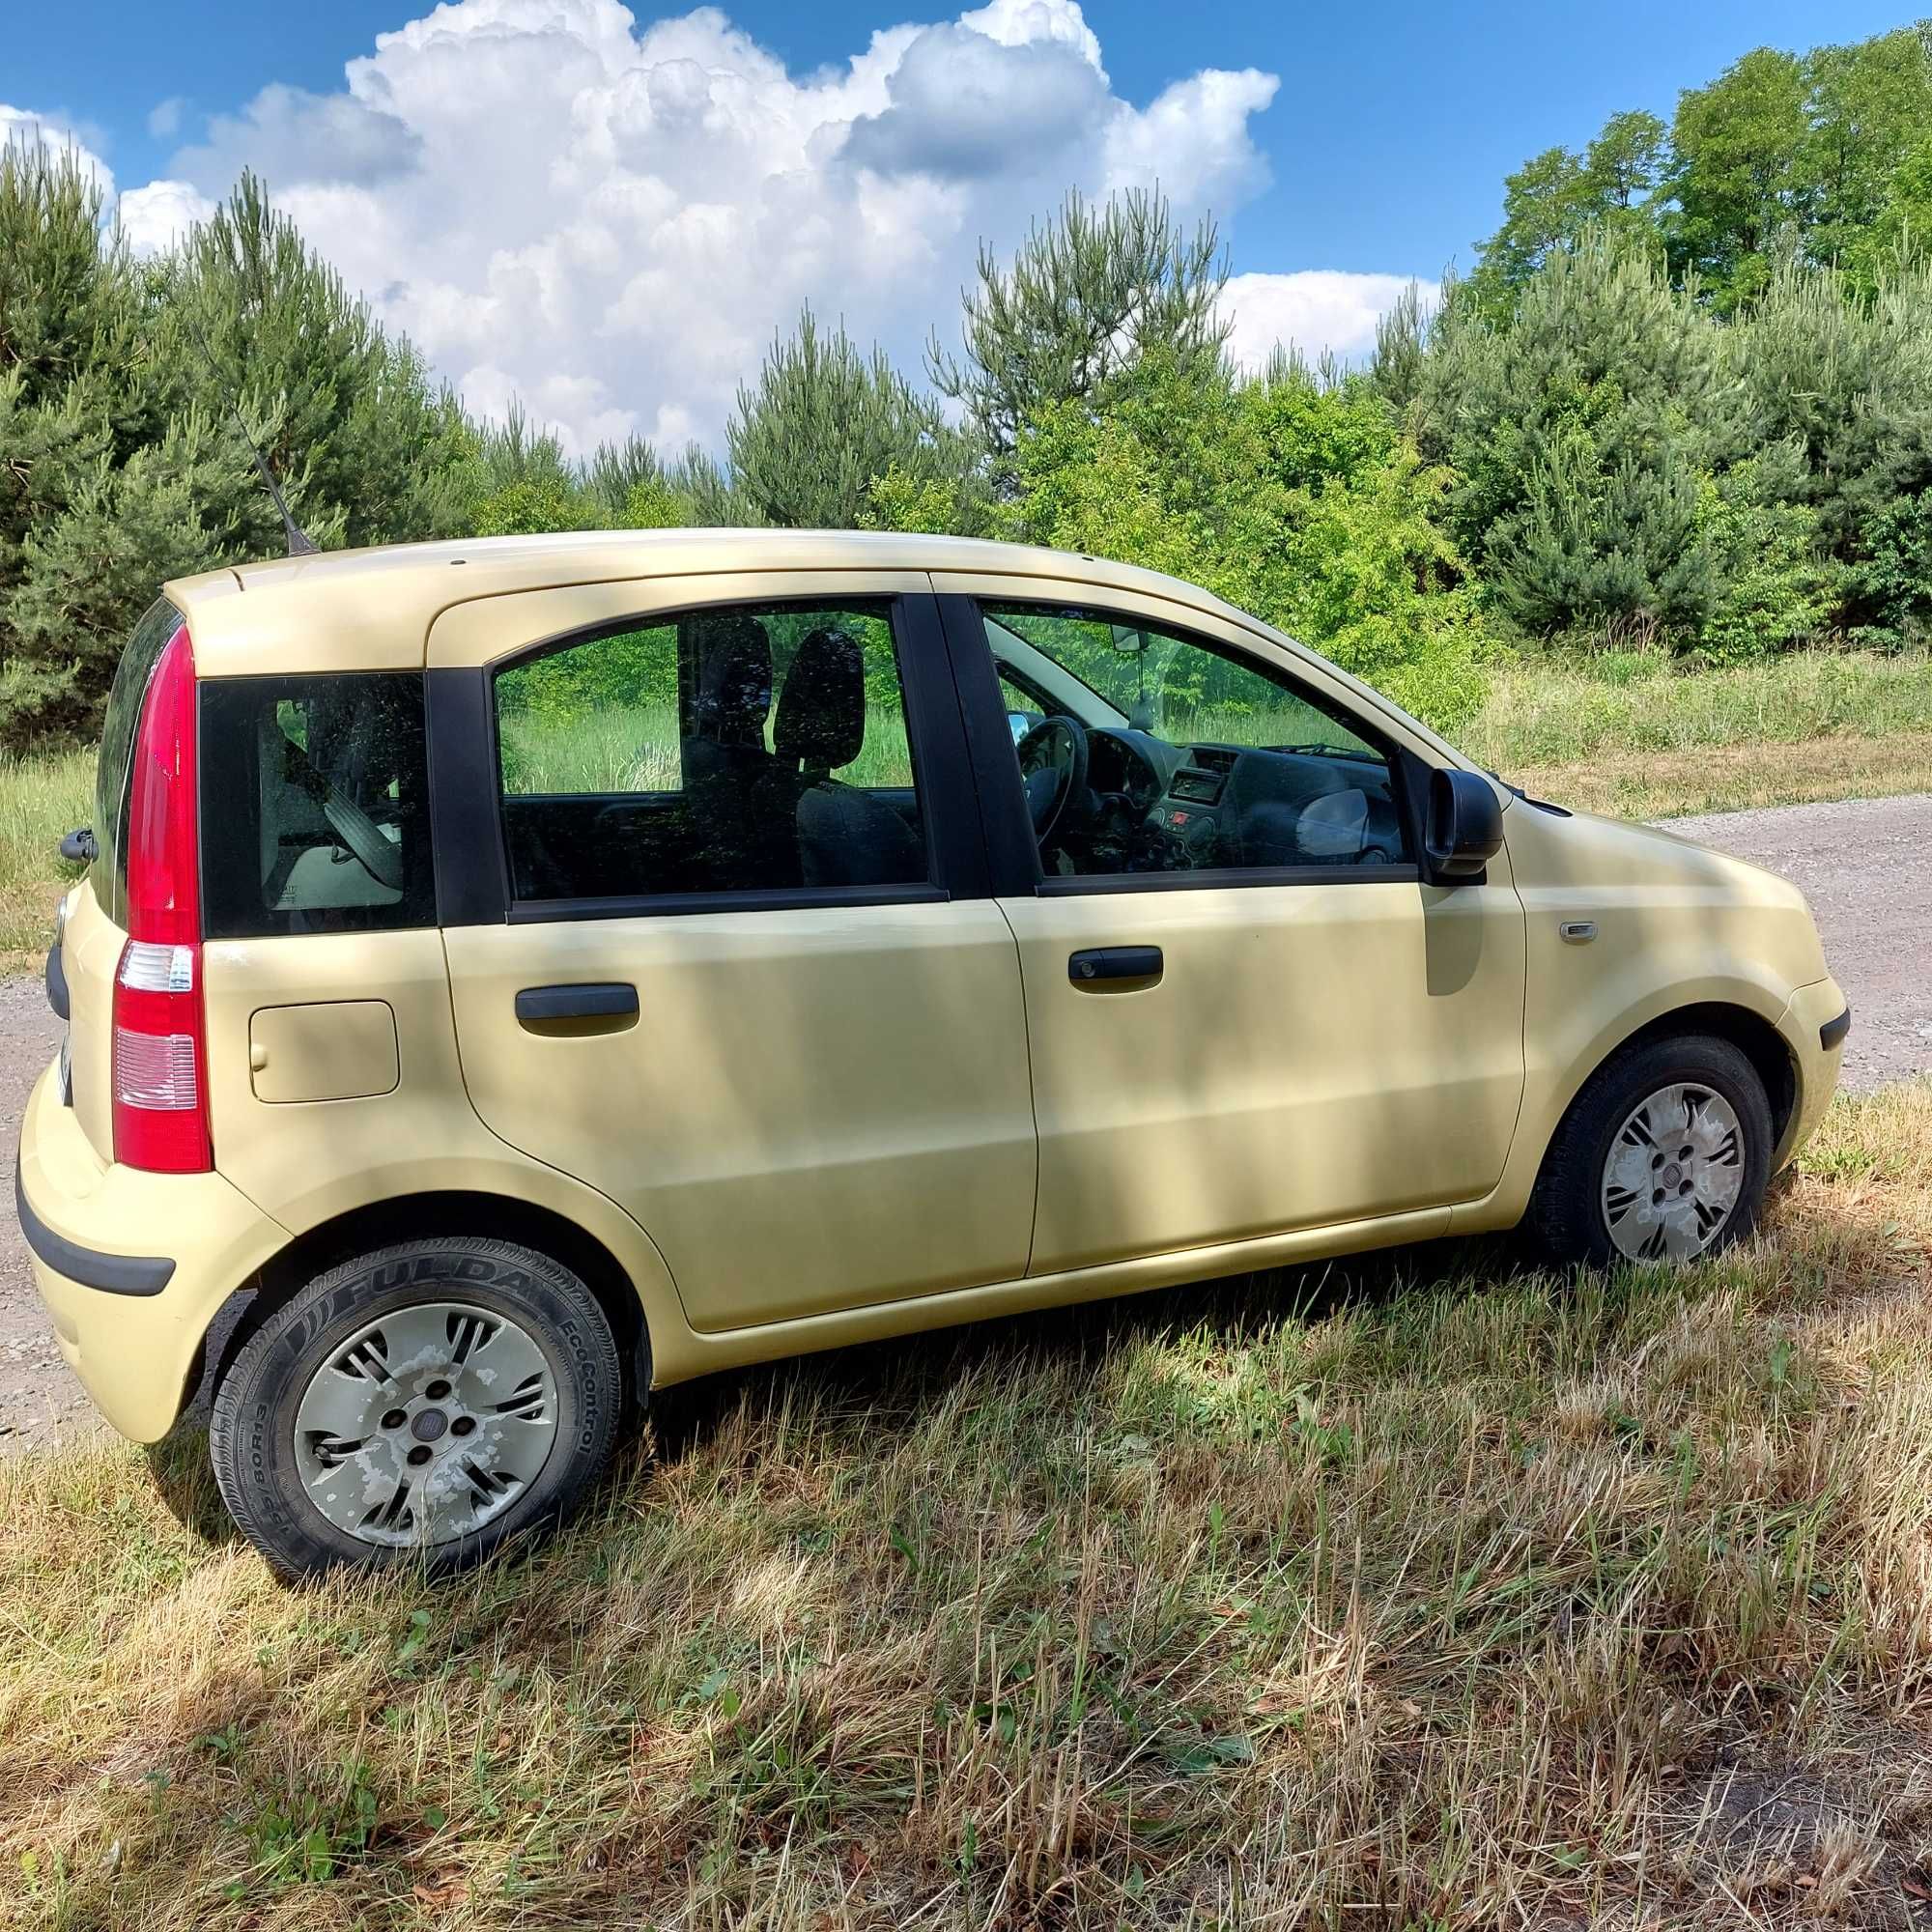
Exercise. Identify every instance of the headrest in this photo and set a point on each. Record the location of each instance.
(821, 719)
(734, 677)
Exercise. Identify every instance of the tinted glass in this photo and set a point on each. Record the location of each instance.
(751, 748)
(1157, 751)
(138, 657)
(314, 806)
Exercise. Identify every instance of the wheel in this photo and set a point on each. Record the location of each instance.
(422, 1403)
(1664, 1156)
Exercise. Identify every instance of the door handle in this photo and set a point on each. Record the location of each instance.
(1101, 965)
(547, 1006)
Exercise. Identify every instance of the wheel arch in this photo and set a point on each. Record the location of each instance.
(1751, 1033)
(455, 1212)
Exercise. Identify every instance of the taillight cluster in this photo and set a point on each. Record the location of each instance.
(161, 1057)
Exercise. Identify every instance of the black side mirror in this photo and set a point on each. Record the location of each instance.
(1466, 827)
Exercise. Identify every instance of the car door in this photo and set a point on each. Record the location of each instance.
(719, 935)
(1248, 1013)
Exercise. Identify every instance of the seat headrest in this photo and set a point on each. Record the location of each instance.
(821, 719)
(734, 677)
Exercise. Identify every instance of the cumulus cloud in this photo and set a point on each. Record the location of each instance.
(612, 219)
(156, 216)
(1310, 309)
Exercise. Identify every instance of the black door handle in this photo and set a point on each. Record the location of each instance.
(1114, 962)
(537, 1006)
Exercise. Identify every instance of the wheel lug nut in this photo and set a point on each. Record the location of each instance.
(437, 1391)
(463, 1424)
(419, 1455)
(394, 1419)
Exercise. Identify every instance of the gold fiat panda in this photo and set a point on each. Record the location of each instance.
(539, 970)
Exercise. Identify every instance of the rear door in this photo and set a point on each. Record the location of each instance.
(724, 945)
(1248, 1011)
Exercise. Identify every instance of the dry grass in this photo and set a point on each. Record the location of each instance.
(1631, 784)
(1430, 1592)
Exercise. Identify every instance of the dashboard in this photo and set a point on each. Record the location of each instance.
(1188, 808)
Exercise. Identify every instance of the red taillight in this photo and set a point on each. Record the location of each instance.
(160, 1062)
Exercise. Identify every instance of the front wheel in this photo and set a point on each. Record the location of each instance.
(422, 1402)
(1664, 1156)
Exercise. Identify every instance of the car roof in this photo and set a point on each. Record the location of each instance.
(367, 610)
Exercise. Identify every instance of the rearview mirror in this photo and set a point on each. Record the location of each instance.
(1466, 827)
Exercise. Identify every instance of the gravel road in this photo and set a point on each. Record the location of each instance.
(1863, 864)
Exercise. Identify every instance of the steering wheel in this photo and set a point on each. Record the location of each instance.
(347, 819)
(1050, 785)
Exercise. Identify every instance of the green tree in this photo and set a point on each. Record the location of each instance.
(1090, 293)
(1299, 501)
(1558, 196)
(825, 422)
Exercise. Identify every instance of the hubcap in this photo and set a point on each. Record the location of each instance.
(429, 1423)
(1675, 1171)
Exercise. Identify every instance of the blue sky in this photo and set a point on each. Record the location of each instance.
(609, 219)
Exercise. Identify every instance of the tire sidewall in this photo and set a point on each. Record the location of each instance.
(1698, 1062)
(252, 1434)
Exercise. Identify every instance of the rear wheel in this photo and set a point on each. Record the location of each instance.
(1664, 1156)
(423, 1402)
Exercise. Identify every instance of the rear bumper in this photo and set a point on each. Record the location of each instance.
(132, 1266)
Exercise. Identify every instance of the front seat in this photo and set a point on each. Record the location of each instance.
(845, 836)
(731, 839)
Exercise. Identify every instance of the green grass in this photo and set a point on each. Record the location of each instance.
(1425, 1591)
(40, 799)
(1549, 713)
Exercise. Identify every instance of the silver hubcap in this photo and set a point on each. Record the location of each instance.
(1674, 1175)
(429, 1423)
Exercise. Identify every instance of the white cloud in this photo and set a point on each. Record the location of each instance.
(1311, 309)
(156, 216)
(164, 118)
(611, 220)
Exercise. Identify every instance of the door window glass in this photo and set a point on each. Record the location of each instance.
(757, 748)
(1154, 752)
(314, 805)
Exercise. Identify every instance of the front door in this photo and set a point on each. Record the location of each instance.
(1248, 1014)
(752, 985)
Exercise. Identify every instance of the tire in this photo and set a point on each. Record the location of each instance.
(1583, 1210)
(420, 1403)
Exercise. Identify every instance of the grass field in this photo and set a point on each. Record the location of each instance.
(1420, 1593)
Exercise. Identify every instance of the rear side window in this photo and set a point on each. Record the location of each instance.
(314, 806)
(138, 659)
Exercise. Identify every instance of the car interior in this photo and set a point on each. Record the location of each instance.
(761, 802)
(1142, 751)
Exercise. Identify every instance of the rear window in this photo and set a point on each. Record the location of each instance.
(138, 657)
(314, 806)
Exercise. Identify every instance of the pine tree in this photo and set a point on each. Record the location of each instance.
(1088, 294)
(824, 423)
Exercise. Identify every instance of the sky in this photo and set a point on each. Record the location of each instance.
(608, 213)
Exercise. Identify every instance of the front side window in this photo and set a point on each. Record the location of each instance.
(314, 805)
(750, 749)
(1144, 749)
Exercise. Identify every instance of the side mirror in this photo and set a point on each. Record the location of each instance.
(1020, 723)
(1466, 827)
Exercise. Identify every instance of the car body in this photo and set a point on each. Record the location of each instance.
(1247, 967)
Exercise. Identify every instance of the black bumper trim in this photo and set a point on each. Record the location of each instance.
(113, 1274)
(1832, 1032)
